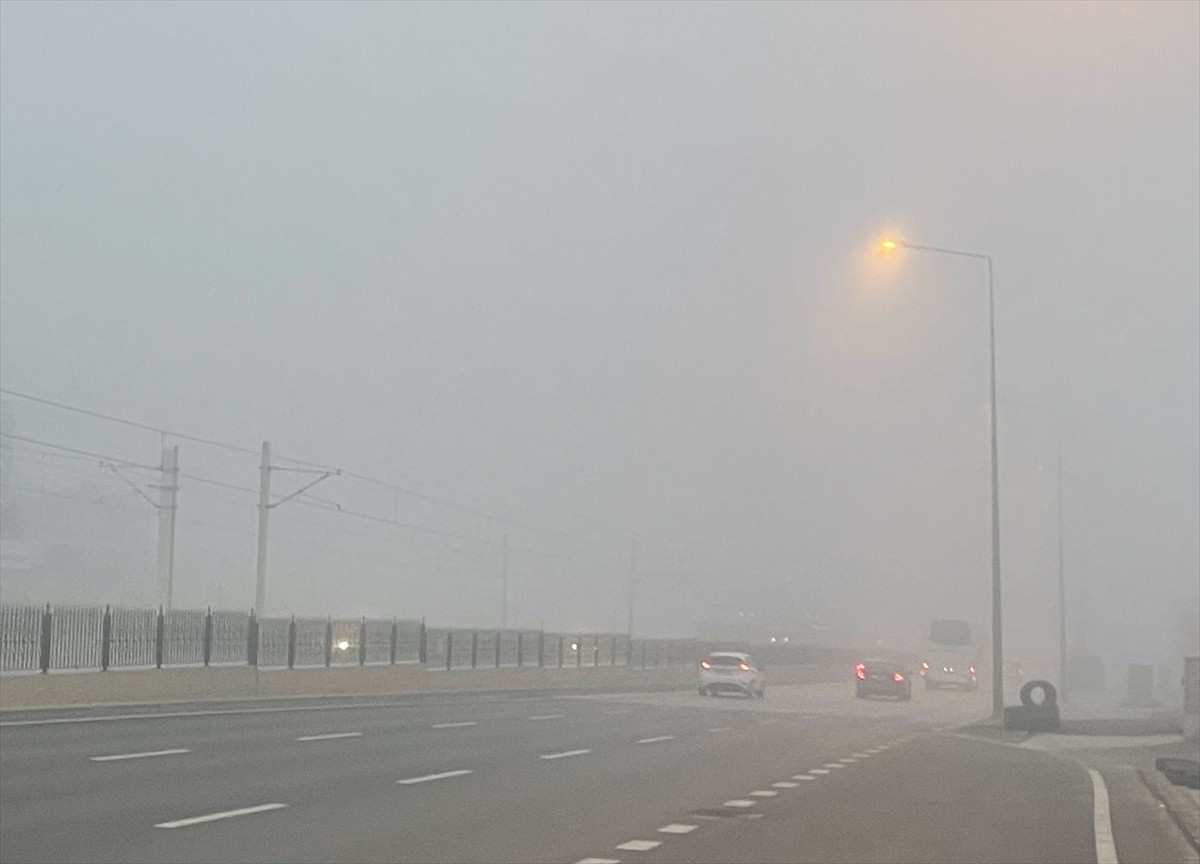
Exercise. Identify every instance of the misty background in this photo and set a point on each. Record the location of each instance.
(606, 271)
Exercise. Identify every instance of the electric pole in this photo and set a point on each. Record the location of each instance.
(504, 585)
(264, 512)
(167, 491)
(632, 582)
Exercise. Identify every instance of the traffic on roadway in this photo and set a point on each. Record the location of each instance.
(808, 774)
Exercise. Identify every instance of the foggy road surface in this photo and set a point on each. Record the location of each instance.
(809, 774)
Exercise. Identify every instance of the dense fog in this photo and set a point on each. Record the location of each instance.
(583, 273)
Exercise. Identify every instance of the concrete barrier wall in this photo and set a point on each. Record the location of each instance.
(149, 686)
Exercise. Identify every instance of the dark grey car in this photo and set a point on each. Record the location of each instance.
(882, 678)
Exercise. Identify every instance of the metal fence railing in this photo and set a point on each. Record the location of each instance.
(99, 638)
(20, 638)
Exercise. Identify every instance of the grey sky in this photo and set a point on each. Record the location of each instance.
(609, 269)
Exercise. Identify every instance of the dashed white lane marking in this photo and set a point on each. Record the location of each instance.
(763, 793)
(1106, 849)
(657, 739)
(618, 711)
(739, 802)
(440, 776)
(874, 751)
(461, 725)
(848, 760)
(863, 755)
(785, 784)
(598, 861)
(805, 776)
(119, 756)
(639, 845)
(818, 771)
(564, 754)
(884, 747)
(328, 736)
(213, 817)
(547, 716)
(720, 729)
(161, 715)
(677, 828)
(834, 765)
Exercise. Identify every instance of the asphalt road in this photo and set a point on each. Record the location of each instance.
(810, 774)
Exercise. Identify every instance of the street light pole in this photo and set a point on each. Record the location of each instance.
(1062, 580)
(997, 629)
(997, 623)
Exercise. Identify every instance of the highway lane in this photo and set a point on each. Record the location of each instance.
(623, 767)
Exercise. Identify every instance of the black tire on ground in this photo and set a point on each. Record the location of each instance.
(1049, 694)
(762, 693)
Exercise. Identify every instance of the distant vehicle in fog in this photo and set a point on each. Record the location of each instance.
(882, 678)
(951, 659)
(731, 672)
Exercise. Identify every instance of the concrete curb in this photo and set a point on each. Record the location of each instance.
(1179, 804)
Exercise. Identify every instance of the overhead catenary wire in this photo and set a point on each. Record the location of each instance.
(104, 459)
(412, 493)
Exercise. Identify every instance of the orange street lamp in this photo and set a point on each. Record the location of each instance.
(890, 245)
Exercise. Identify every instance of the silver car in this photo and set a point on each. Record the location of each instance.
(731, 672)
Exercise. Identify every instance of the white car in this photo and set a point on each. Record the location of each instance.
(731, 671)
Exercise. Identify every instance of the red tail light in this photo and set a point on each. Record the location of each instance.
(744, 667)
(704, 664)
(860, 671)
(972, 670)
(897, 677)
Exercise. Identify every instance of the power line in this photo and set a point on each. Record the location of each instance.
(221, 483)
(98, 501)
(471, 511)
(332, 506)
(135, 424)
(103, 459)
(412, 493)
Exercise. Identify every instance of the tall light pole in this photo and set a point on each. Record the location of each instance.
(1062, 579)
(997, 634)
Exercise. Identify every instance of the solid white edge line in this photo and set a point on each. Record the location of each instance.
(461, 725)
(564, 754)
(656, 739)
(639, 845)
(1106, 849)
(460, 772)
(213, 817)
(329, 736)
(119, 756)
